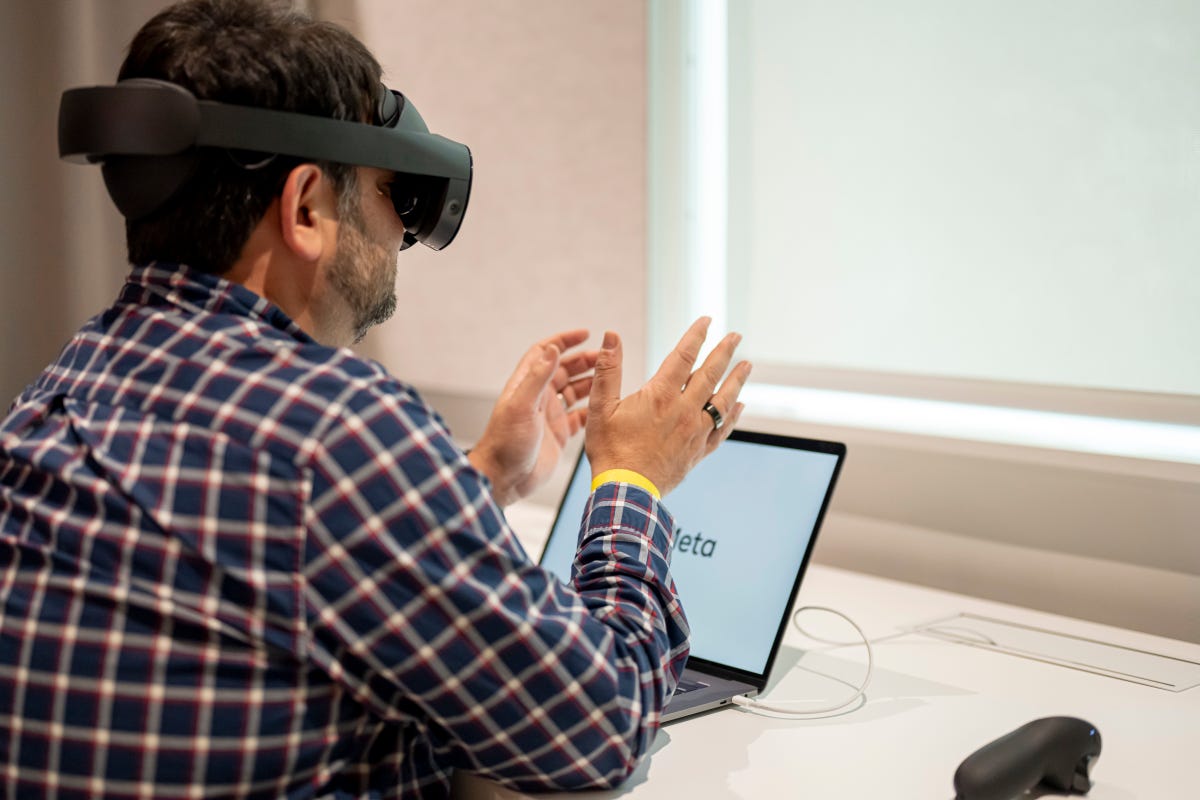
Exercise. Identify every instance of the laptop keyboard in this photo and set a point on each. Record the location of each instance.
(686, 686)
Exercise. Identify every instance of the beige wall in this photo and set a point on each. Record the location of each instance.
(551, 97)
(63, 241)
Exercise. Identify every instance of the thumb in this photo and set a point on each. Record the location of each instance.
(606, 384)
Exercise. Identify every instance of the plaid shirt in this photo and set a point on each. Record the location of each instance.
(237, 563)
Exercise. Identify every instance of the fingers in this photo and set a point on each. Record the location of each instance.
(703, 381)
(575, 391)
(678, 364)
(565, 340)
(606, 383)
(725, 398)
(535, 373)
(570, 367)
(731, 421)
(700, 386)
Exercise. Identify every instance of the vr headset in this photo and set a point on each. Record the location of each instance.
(146, 134)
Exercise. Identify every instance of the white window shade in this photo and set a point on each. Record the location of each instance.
(1007, 191)
(1006, 194)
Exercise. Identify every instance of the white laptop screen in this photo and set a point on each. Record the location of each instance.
(746, 518)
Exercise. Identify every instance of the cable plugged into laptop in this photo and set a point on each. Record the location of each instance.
(778, 710)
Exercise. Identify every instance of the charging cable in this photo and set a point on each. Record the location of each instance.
(776, 710)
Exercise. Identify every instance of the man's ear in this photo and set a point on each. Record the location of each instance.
(308, 212)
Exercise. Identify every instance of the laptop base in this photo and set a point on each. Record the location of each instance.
(698, 692)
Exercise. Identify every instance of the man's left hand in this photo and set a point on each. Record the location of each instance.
(535, 416)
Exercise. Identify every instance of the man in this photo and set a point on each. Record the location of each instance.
(237, 560)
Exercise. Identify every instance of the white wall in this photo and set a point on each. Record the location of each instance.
(63, 242)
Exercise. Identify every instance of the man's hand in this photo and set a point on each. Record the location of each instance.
(535, 416)
(662, 430)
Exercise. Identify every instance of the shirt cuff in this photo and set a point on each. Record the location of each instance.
(626, 476)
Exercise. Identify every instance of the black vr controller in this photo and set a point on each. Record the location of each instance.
(1054, 752)
(146, 134)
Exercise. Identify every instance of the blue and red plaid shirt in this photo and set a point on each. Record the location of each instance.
(237, 563)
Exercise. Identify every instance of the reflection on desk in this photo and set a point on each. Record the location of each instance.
(932, 702)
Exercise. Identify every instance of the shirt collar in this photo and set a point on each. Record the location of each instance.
(195, 291)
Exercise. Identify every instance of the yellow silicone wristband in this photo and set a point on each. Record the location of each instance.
(626, 476)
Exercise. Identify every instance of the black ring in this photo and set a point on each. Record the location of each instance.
(717, 419)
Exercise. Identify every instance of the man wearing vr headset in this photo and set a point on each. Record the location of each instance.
(236, 560)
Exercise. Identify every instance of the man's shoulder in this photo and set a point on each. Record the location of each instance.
(242, 379)
(338, 386)
(239, 376)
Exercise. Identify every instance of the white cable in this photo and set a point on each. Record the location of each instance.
(770, 709)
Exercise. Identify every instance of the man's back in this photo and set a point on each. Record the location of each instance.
(232, 559)
(154, 500)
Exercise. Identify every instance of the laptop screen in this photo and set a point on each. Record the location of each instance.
(746, 520)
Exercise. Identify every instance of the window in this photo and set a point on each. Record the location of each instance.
(972, 220)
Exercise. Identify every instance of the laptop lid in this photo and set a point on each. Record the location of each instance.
(747, 519)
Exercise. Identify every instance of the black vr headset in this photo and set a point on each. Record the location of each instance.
(145, 134)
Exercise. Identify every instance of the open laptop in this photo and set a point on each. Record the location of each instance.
(747, 518)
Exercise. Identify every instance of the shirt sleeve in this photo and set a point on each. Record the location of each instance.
(425, 607)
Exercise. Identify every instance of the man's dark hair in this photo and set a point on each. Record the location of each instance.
(254, 53)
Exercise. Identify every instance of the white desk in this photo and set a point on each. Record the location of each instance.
(930, 704)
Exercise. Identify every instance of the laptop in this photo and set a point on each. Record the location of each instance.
(747, 518)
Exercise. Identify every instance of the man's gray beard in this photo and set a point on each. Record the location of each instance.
(371, 297)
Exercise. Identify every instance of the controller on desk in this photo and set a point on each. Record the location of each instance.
(1055, 752)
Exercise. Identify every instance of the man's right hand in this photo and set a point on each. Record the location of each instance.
(662, 430)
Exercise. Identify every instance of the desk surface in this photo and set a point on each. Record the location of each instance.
(931, 703)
